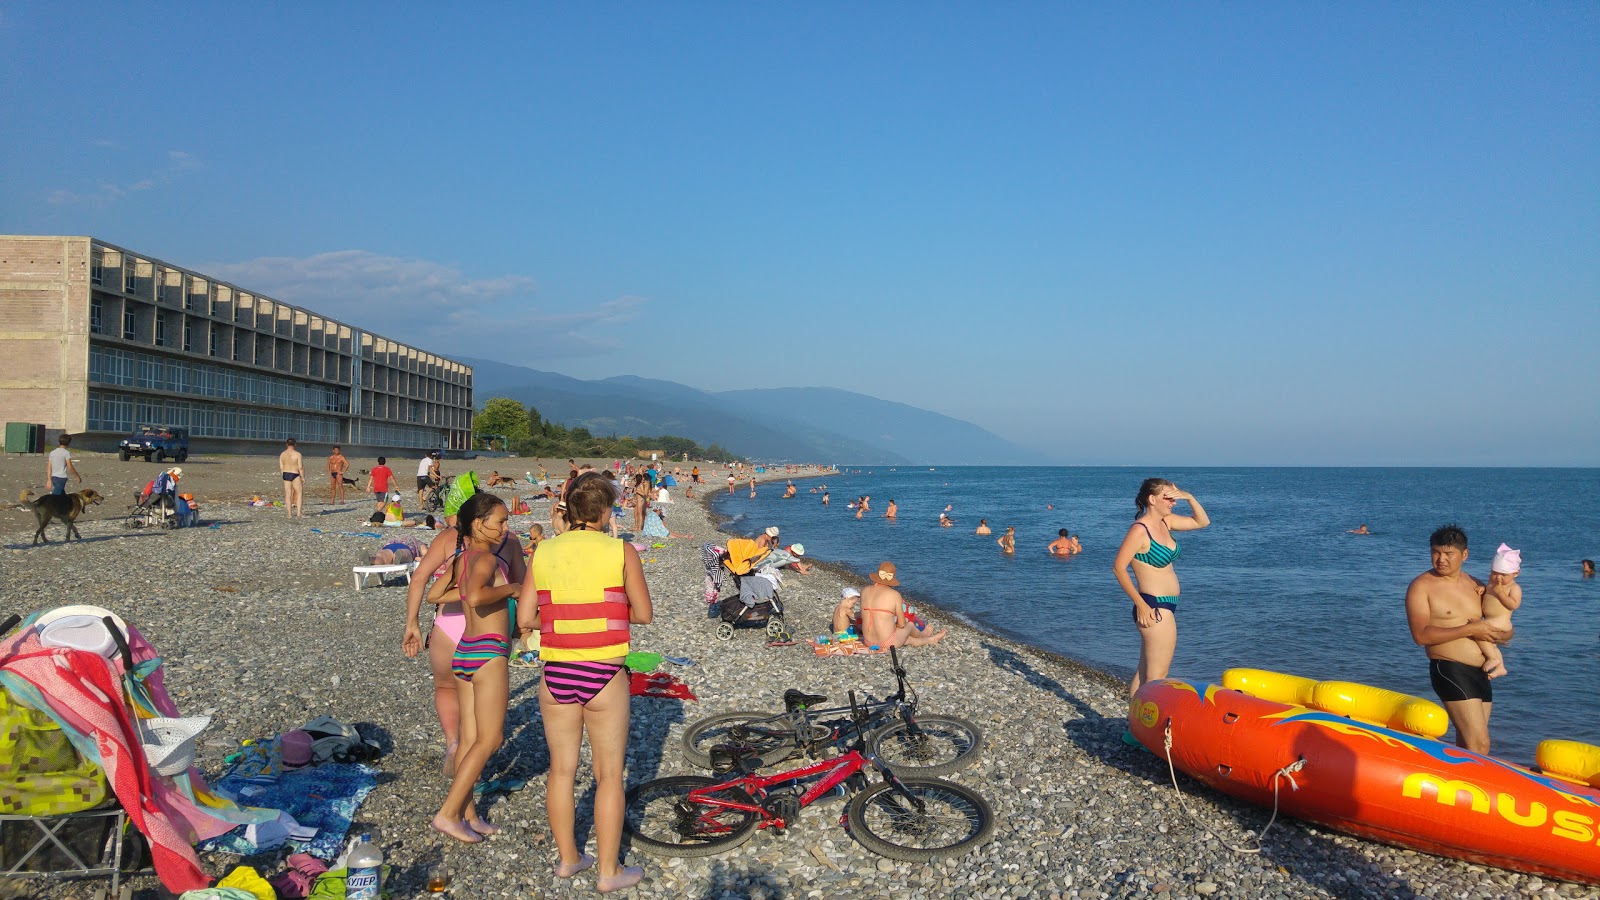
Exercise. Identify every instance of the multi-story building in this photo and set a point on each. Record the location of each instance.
(95, 339)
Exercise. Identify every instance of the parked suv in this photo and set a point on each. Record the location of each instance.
(155, 443)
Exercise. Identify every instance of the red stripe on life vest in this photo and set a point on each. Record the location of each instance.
(605, 609)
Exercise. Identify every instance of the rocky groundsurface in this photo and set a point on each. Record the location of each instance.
(261, 629)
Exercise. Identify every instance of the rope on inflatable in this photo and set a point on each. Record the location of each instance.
(1285, 772)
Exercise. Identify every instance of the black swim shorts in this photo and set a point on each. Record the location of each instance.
(1454, 681)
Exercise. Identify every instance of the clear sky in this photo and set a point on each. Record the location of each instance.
(1171, 233)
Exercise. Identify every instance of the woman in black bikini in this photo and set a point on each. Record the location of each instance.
(1150, 548)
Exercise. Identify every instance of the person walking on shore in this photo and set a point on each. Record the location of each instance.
(293, 468)
(1150, 548)
(589, 589)
(60, 465)
(378, 481)
(337, 466)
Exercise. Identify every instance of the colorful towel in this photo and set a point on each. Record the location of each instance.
(323, 797)
(659, 684)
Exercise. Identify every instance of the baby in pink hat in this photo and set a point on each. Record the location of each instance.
(1501, 596)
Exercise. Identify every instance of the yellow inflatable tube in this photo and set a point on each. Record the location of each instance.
(1571, 760)
(1378, 706)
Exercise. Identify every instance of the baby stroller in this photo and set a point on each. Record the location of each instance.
(755, 605)
(156, 506)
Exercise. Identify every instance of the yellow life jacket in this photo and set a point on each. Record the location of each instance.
(583, 608)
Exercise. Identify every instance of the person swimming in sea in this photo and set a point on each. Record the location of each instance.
(1360, 530)
(1008, 541)
(983, 527)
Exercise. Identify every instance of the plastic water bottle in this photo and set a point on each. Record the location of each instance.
(365, 867)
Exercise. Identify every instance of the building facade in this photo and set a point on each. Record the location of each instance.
(95, 339)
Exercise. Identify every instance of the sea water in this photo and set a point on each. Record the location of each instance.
(1274, 583)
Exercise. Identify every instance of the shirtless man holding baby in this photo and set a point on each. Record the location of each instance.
(1444, 608)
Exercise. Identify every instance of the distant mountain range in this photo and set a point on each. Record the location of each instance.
(779, 424)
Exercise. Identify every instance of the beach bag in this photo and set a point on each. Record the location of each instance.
(41, 773)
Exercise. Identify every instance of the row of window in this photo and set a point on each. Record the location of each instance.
(112, 365)
(388, 435)
(117, 412)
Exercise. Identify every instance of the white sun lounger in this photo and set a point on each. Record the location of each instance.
(363, 573)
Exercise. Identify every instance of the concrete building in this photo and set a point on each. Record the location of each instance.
(95, 339)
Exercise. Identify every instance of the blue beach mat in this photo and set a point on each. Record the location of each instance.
(323, 797)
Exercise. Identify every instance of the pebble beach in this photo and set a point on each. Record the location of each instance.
(261, 629)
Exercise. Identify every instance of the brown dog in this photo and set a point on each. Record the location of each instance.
(66, 507)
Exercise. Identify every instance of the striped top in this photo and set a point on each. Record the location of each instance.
(583, 607)
(1159, 555)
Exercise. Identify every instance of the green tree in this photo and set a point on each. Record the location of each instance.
(501, 417)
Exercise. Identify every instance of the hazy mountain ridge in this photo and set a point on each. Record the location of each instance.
(809, 424)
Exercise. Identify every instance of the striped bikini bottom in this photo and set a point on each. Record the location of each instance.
(473, 652)
(578, 682)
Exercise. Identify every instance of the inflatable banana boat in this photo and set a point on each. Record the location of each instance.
(1368, 761)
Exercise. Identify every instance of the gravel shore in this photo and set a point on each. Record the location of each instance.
(260, 628)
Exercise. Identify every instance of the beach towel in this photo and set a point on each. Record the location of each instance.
(659, 684)
(843, 648)
(323, 797)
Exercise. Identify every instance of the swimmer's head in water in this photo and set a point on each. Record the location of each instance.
(1148, 489)
(1062, 532)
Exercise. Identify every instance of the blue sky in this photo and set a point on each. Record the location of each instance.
(1158, 234)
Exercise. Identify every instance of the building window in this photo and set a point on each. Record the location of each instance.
(211, 342)
(94, 317)
(129, 282)
(97, 267)
(161, 331)
(128, 323)
(188, 338)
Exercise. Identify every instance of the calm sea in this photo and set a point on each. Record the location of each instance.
(1274, 583)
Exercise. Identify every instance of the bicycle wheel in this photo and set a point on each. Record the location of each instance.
(663, 822)
(953, 820)
(938, 745)
(769, 735)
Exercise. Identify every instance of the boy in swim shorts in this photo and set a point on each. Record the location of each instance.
(1501, 596)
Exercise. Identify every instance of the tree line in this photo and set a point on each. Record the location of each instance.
(505, 424)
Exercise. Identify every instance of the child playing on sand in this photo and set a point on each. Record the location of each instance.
(1501, 597)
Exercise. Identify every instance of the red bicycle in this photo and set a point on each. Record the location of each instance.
(912, 819)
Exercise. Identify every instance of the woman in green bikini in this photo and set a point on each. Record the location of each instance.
(1151, 550)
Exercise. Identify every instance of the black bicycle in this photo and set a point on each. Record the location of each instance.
(912, 819)
(895, 732)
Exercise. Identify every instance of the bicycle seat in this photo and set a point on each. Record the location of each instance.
(793, 699)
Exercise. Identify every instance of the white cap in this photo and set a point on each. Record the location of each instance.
(772, 531)
(797, 549)
(850, 592)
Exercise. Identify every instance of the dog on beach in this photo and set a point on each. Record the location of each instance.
(66, 507)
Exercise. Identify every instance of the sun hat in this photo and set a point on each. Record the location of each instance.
(169, 743)
(1506, 561)
(465, 485)
(772, 531)
(80, 628)
(885, 575)
(797, 549)
(175, 471)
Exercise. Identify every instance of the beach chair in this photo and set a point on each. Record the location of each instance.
(362, 574)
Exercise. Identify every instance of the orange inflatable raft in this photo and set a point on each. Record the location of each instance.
(1373, 766)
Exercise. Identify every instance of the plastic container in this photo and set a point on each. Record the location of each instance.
(365, 865)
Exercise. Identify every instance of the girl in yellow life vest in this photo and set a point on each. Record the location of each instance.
(585, 590)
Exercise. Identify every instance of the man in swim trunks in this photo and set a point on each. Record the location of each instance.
(293, 469)
(337, 465)
(1444, 607)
